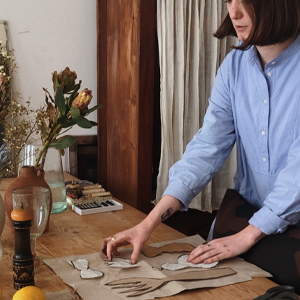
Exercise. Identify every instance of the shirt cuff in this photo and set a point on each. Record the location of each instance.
(180, 192)
(268, 222)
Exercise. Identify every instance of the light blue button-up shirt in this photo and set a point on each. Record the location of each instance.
(259, 111)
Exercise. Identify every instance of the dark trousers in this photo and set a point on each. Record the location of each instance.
(278, 254)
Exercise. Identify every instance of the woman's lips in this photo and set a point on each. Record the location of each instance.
(240, 28)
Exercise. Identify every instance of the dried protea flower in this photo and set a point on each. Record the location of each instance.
(65, 79)
(1, 79)
(51, 113)
(83, 99)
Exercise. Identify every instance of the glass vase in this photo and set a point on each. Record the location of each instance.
(54, 175)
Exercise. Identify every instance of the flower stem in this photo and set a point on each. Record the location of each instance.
(52, 135)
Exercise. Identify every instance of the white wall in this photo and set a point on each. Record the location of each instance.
(49, 35)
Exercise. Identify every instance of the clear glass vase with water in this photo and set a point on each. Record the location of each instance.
(54, 175)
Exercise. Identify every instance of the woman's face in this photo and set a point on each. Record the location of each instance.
(241, 20)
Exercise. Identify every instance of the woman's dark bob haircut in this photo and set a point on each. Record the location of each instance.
(274, 21)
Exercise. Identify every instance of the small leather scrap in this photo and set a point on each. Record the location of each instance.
(63, 295)
(151, 251)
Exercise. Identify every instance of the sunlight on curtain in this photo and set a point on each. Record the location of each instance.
(189, 59)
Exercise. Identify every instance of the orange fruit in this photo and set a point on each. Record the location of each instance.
(29, 293)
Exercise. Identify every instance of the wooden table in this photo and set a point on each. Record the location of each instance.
(70, 233)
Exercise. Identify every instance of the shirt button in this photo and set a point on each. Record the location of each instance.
(269, 74)
(273, 62)
(263, 133)
(264, 159)
(265, 101)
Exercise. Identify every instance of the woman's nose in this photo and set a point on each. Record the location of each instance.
(235, 9)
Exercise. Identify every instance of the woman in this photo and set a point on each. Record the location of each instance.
(255, 105)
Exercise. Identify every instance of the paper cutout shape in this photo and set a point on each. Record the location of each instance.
(151, 251)
(89, 273)
(137, 286)
(122, 263)
(182, 264)
(82, 265)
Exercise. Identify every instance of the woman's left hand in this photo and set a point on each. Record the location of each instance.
(226, 247)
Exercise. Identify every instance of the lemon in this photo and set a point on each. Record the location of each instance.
(29, 293)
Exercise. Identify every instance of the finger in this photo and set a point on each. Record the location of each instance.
(135, 255)
(212, 259)
(205, 258)
(109, 252)
(104, 251)
(116, 252)
(198, 252)
(111, 247)
(215, 258)
(104, 247)
(214, 254)
(208, 255)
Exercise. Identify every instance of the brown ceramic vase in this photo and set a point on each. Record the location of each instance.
(28, 176)
(2, 216)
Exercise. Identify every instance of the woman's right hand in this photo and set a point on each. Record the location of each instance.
(137, 236)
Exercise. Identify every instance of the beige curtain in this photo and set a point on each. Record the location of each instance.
(189, 59)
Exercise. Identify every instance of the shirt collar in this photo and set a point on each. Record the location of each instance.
(289, 51)
(286, 54)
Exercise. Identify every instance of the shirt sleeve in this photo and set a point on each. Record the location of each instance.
(282, 205)
(208, 150)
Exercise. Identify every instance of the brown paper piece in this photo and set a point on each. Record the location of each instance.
(90, 289)
(151, 251)
(150, 284)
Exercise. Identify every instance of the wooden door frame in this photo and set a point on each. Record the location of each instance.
(126, 38)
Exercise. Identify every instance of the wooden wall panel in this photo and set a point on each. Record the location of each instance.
(126, 51)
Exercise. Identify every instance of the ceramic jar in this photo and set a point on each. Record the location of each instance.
(2, 215)
(28, 176)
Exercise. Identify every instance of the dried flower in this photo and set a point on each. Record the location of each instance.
(1, 79)
(14, 131)
(65, 109)
(19, 125)
(65, 79)
(83, 100)
(7, 65)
